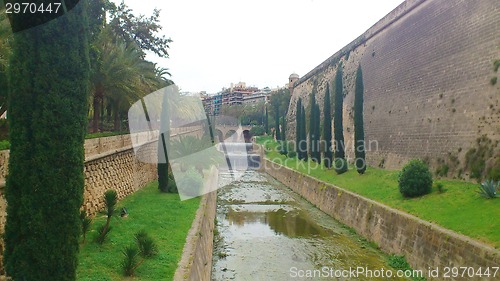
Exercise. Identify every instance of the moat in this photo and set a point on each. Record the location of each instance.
(264, 231)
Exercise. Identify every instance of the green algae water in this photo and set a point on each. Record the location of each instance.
(264, 231)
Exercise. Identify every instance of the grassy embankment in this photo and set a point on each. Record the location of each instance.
(460, 208)
(162, 215)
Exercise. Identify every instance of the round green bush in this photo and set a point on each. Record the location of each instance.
(415, 179)
(340, 165)
(190, 183)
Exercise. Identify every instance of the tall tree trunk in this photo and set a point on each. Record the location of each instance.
(116, 123)
(98, 96)
(47, 115)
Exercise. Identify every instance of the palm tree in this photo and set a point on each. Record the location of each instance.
(121, 77)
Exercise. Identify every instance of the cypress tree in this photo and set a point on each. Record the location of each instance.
(277, 124)
(163, 140)
(266, 122)
(317, 133)
(303, 133)
(337, 120)
(359, 132)
(47, 120)
(283, 129)
(312, 123)
(298, 133)
(327, 129)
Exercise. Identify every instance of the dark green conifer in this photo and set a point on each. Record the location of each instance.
(49, 71)
(337, 120)
(359, 132)
(327, 129)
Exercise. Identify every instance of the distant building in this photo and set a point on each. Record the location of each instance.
(237, 94)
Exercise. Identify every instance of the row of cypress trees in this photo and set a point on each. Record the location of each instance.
(314, 147)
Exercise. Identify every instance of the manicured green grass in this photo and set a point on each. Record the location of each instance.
(460, 208)
(162, 215)
(104, 134)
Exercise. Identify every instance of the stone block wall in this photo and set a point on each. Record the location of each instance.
(427, 67)
(196, 260)
(118, 170)
(425, 245)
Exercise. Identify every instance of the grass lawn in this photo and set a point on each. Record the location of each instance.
(460, 208)
(162, 215)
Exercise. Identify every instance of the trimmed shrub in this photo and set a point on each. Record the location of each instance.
(292, 154)
(193, 180)
(415, 179)
(341, 166)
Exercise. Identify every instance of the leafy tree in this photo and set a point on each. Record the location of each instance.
(359, 132)
(140, 31)
(120, 77)
(327, 129)
(337, 120)
(47, 115)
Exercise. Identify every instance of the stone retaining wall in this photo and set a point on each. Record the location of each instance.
(196, 261)
(425, 245)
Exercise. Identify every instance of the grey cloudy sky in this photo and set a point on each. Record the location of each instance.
(260, 42)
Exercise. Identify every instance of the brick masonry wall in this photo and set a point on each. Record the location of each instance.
(427, 68)
(422, 243)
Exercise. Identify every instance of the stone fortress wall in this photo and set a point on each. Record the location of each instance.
(427, 67)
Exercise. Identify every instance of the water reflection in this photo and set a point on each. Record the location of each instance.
(281, 221)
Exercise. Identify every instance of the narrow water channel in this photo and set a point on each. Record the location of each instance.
(264, 231)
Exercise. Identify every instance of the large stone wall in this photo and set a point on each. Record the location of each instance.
(427, 67)
(425, 245)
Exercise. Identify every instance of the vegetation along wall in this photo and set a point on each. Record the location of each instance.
(116, 168)
(430, 88)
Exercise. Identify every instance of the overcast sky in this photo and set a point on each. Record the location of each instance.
(260, 42)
